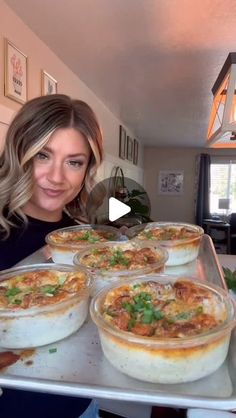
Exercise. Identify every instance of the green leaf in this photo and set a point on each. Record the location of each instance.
(230, 278)
(137, 207)
(135, 193)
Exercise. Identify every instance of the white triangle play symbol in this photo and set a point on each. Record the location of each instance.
(117, 209)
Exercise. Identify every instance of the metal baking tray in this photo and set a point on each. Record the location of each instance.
(77, 366)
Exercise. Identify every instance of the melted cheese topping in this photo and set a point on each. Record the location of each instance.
(168, 233)
(38, 288)
(83, 236)
(159, 310)
(116, 259)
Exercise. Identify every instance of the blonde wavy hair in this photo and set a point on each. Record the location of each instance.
(28, 133)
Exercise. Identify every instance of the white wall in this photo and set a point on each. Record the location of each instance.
(174, 208)
(41, 57)
(6, 115)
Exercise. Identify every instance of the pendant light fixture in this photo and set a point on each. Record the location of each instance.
(222, 125)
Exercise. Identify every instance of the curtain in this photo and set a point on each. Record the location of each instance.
(202, 207)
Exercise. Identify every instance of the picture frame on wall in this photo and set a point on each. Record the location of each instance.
(171, 182)
(135, 152)
(129, 154)
(48, 84)
(122, 143)
(15, 73)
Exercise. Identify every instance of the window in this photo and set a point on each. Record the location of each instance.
(223, 185)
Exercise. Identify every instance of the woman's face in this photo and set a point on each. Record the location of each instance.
(58, 170)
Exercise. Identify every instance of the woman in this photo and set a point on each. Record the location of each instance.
(52, 151)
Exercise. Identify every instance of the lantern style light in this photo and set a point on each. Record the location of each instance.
(222, 125)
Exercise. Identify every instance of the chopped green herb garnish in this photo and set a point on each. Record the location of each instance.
(139, 306)
(143, 308)
(118, 258)
(145, 295)
(19, 278)
(52, 350)
(158, 315)
(135, 286)
(128, 307)
(12, 292)
(183, 315)
(199, 310)
(87, 236)
(92, 240)
(49, 290)
(148, 316)
(148, 234)
(83, 237)
(131, 324)
(17, 302)
(62, 279)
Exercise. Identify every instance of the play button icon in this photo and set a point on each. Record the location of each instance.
(117, 202)
(117, 209)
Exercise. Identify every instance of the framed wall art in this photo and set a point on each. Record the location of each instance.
(122, 143)
(129, 154)
(171, 182)
(135, 152)
(48, 84)
(15, 86)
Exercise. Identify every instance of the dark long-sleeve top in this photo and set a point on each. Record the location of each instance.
(23, 241)
(26, 239)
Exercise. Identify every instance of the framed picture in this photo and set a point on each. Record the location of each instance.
(171, 182)
(129, 154)
(135, 152)
(122, 143)
(48, 84)
(15, 86)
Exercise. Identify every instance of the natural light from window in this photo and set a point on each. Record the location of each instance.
(223, 186)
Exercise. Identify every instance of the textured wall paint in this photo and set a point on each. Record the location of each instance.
(41, 57)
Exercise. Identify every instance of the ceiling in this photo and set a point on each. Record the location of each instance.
(152, 62)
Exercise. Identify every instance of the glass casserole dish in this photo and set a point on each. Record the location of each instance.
(181, 240)
(42, 303)
(65, 242)
(118, 261)
(164, 329)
